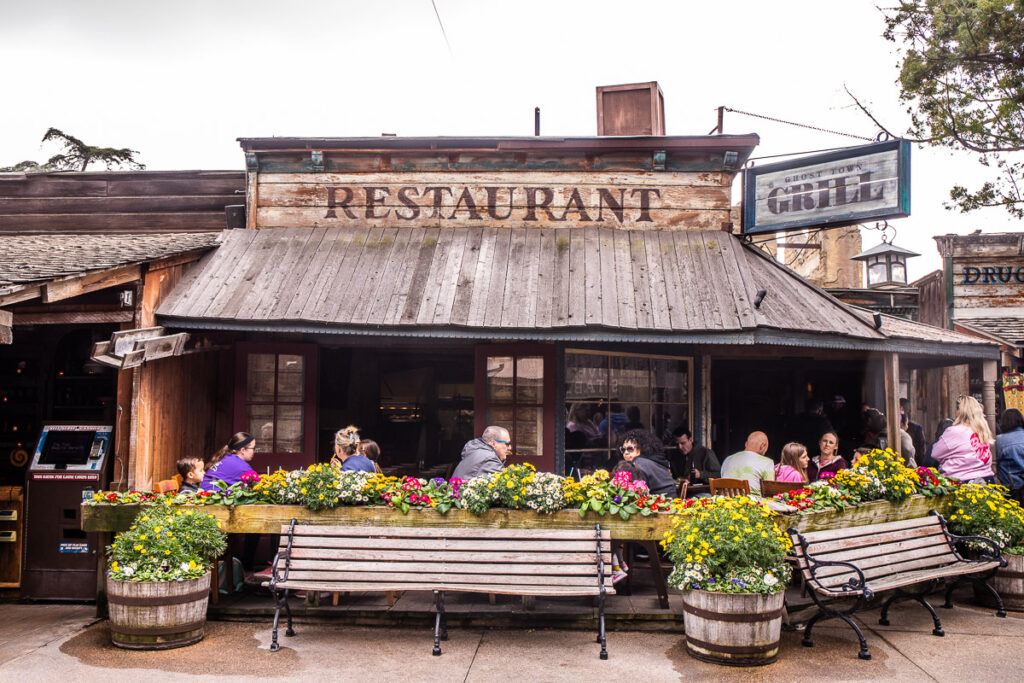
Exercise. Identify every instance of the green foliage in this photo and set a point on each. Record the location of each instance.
(76, 156)
(962, 76)
(166, 544)
(986, 510)
(728, 545)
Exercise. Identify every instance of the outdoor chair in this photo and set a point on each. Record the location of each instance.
(771, 488)
(729, 487)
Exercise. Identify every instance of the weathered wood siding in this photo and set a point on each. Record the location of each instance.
(987, 274)
(118, 202)
(181, 409)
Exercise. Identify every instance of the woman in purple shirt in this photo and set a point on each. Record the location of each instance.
(230, 462)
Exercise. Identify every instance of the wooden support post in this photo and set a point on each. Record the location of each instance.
(989, 376)
(705, 400)
(891, 368)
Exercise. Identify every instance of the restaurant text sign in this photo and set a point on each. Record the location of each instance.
(669, 200)
(839, 188)
(528, 203)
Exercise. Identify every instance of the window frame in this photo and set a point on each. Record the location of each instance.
(546, 461)
(690, 399)
(274, 459)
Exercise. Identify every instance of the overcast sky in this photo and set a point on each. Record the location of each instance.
(180, 81)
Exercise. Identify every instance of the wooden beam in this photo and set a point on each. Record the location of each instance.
(90, 282)
(891, 368)
(989, 377)
(705, 400)
(20, 294)
(75, 318)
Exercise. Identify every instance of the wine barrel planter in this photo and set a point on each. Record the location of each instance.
(157, 615)
(736, 629)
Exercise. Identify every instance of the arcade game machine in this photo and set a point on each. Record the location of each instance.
(69, 465)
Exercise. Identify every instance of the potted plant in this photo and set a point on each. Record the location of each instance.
(730, 563)
(158, 580)
(986, 510)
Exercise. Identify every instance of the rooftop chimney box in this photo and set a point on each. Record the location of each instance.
(631, 109)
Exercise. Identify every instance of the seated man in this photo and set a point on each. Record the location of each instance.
(485, 455)
(695, 463)
(751, 463)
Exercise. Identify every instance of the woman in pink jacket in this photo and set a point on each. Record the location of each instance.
(794, 463)
(964, 451)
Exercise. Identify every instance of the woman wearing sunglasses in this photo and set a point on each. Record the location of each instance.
(645, 452)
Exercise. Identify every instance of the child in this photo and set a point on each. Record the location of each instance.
(192, 471)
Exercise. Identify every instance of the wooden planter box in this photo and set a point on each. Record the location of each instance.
(268, 519)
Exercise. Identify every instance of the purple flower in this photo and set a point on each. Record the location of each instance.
(616, 499)
(438, 481)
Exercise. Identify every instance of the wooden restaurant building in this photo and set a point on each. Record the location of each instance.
(565, 288)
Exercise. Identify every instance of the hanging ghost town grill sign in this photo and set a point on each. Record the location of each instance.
(869, 182)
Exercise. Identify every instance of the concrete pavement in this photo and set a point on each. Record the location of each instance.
(61, 643)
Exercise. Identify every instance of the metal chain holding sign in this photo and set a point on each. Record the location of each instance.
(798, 125)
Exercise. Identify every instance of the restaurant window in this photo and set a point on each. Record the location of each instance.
(515, 390)
(608, 394)
(275, 401)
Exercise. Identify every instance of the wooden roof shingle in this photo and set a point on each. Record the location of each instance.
(540, 279)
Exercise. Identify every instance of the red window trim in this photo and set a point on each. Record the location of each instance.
(545, 463)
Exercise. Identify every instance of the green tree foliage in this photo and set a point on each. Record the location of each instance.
(75, 155)
(962, 76)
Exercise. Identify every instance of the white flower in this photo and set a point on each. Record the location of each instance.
(184, 566)
(770, 580)
(129, 570)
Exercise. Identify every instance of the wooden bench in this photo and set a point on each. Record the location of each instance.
(528, 562)
(860, 562)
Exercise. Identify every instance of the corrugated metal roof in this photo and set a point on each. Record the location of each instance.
(27, 259)
(538, 279)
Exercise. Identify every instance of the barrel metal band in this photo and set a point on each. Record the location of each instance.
(1003, 574)
(158, 630)
(733, 649)
(157, 601)
(738, 617)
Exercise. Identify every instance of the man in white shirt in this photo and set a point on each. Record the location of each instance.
(751, 463)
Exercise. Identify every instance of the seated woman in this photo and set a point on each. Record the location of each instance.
(346, 452)
(794, 463)
(1010, 452)
(829, 460)
(230, 462)
(646, 453)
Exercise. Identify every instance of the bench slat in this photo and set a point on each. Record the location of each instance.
(906, 543)
(398, 578)
(368, 555)
(824, 549)
(869, 529)
(435, 543)
(446, 532)
(892, 558)
(909, 578)
(507, 589)
(446, 567)
(884, 566)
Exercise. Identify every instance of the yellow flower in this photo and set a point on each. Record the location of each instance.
(138, 547)
(113, 565)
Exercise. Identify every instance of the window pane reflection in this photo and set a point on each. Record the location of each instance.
(499, 378)
(290, 378)
(260, 380)
(261, 426)
(526, 441)
(289, 429)
(530, 379)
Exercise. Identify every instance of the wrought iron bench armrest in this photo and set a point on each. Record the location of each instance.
(995, 554)
(285, 556)
(854, 585)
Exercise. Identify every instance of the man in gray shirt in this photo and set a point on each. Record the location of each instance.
(485, 455)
